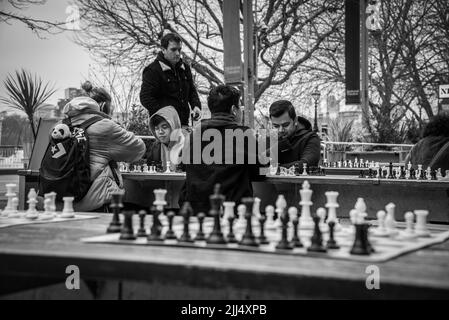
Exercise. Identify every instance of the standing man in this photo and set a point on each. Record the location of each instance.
(168, 81)
(298, 144)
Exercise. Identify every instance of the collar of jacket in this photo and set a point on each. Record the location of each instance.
(166, 66)
(219, 119)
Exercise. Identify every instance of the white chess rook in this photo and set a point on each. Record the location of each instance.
(421, 223)
(67, 211)
(10, 194)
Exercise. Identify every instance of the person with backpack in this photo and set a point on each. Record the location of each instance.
(108, 143)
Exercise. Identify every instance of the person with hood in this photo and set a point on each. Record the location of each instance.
(168, 81)
(297, 143)
(166, 128)
(433, 149)
(108, 143)
(229, 163)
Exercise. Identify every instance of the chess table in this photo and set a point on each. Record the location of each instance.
(38, 254)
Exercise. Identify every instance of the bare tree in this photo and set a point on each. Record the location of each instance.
(129, 33)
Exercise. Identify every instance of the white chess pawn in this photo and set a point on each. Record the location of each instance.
(321, 213)
(360, 206)
(67, 211)
(241, 211)
(381, 230)
(409, 218)
(338, 164)
(306, 221)
(145, 168)
(168, 164)
(14, 213)
(304, 169)
(32, 213)
(421, 223)
(281, 204)
(439, 174)
(292, 213)
(390, 220)
(269, 212)
(48, 213)
(428, 173)
(353, 216)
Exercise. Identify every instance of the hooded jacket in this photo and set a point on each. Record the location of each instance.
(235, 179)
(301, 147)
(160, 152)
(164, 85)
(108, 142)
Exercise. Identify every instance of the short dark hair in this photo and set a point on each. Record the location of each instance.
(98, 94)
(170, 37)
(438, 126)
(278, 108)
(221, 98)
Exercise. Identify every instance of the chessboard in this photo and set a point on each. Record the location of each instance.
(6, 222)
(386, 248)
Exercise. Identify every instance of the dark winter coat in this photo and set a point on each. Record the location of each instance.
(235, 179)
(302, 147)
(426, 150)
(164, 85)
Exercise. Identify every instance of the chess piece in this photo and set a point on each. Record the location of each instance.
(269, 212)
(419, 172)
(390, 220)
(216, 201)
(256, 208)
(141, 232)
(317, 238)
(48, 214)
(439, 174)
(409, 232)
(428, 173)
(10, 194)
(67, 211)
(116, 207)
(421, 223)
(360, 207)
(362, 174)
(159, 196)
(305, 222)
(229, 215)
(332, 206)
(381, 230)
(403, 174)
(241, 209)
(170, 234)
(262, 238)
(304, 169)
(321, 213)
(14, 213)
(32, 213)
(361, 244)
(390, 171)
(433, 175)
(284, 243)
(127, 232)
(186, 212)
(331, 243)
(248, 238)
(156, 227)
(168, 164)
(296, 240)
(200, 236)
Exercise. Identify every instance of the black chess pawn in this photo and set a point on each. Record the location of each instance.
(248, 238)
(412, 174)
(116, 206)
(284, 243)
(331, 243)
(296, 241)
(380, 173)
(323, 172)
(370, 173)
(170, 234)
(390, 171)
(361, 244)
(127, 232)
(262, 237)
(433, 174)
(317, 238)
(216, 201)
(200, 236)
(362, 174)
(142, 232)
(186, 212)
(156, 227)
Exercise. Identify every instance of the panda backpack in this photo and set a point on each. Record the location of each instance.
(65, 167)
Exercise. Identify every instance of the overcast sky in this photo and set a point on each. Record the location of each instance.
(56, 59)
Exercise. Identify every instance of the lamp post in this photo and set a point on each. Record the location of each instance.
(316, 96)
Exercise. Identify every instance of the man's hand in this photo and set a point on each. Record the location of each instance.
(196, 113)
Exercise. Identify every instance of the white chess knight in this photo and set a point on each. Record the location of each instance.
(360, 207)
(421, 223)
(321, 213)
(241, 211)
(32, 213)
(269, 212)
(292, 213)
(306, 221)
(67, 211)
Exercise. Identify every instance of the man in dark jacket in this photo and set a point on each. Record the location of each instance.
(298, 144)
(168, 81)
(228, 154)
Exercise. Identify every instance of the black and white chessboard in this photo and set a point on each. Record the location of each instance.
(6, 222)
